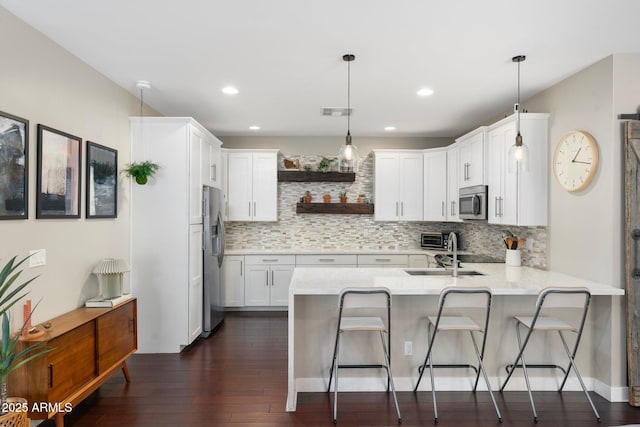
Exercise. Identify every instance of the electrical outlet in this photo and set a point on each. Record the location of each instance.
(408, 348)
(38, 258)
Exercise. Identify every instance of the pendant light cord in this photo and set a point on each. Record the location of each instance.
(519, 107)
(349, 97)
(141, 100)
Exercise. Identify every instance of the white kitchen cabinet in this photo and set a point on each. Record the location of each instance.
(418, 261)
(211, 162)
(383, 260)
(435, 185)
(252, 185)
(195, 282)
(398, 185)
(471, 163)
(452, 212)
(518, 198)
(234, 281)
(166, 232)
(267, 280)
(326, 260)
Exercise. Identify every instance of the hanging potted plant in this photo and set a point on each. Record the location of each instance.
(141, 171)
(13, 410)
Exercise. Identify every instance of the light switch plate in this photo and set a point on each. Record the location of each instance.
(38, 258)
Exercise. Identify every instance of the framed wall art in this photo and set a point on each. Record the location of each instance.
(58, 174)
(14, 166)
(102, 181)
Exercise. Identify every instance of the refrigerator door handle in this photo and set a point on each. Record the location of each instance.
(221, 238)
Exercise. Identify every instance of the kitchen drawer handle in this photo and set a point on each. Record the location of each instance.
(383, 260)
(51, 375)
(270, 260)
(326, 259)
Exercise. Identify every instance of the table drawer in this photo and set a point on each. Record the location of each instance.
(382, 260)
(269, 259)
(326, 260)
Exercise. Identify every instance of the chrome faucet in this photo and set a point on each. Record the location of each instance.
(452, 245)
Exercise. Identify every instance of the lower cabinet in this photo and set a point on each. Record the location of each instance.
(267, 280)
(233, 281)
(419, 261)
(89, 345)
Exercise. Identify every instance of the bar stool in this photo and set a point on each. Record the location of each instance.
(459, 298)
(363, 298)
(558, 298)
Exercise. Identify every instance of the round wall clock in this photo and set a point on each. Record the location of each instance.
(575, 160)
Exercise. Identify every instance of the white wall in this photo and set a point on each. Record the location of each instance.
(586, 229)
(43, 83)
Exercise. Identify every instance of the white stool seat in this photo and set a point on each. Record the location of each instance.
(362, 324)
(545, 323)
(455, 323)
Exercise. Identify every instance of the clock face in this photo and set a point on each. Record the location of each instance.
(575, 160)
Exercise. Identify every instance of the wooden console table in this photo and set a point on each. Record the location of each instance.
(89, 346)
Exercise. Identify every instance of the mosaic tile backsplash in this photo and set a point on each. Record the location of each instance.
(325, 232)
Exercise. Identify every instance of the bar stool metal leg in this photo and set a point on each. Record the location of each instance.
(486, 377)
(390, 378)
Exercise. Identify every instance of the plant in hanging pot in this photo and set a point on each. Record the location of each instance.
(13, 411)
(141, 171)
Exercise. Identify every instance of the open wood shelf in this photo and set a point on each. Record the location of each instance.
(308, 176)
(335, 208)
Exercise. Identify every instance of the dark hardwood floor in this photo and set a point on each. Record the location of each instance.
(238, 377)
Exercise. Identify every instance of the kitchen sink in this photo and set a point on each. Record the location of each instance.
(443, 273)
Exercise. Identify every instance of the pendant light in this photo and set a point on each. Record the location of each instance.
(518, 153)
(348, 157)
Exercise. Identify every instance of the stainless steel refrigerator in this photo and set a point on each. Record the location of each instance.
(213, 253)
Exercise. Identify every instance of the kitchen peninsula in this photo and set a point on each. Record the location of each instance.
(313, 309)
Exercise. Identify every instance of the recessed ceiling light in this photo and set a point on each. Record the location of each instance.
(229, 90)
(390, 128)
(425, 91)
(254, 127)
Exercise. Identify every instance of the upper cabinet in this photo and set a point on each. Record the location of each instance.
(471, 161)
(211, 166)
(398, 185)
(435, 185)
(518, 198)
(453, 162)
(252, 185)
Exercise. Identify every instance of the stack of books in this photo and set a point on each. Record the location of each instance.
(107, 302)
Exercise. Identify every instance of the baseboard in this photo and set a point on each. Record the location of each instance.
(378, 383)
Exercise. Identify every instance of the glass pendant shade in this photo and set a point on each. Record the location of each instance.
(518, 156)
(348, 156)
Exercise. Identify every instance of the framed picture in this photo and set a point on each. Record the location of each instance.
(14, 166)
(58, 175)
(102, 181)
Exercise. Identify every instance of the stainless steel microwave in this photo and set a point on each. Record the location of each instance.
(472, 202)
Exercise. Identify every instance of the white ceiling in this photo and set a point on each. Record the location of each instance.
(285, 56)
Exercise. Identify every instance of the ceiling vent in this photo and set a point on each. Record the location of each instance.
(337, 112)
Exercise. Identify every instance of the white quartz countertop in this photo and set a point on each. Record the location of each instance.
(501, 279)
